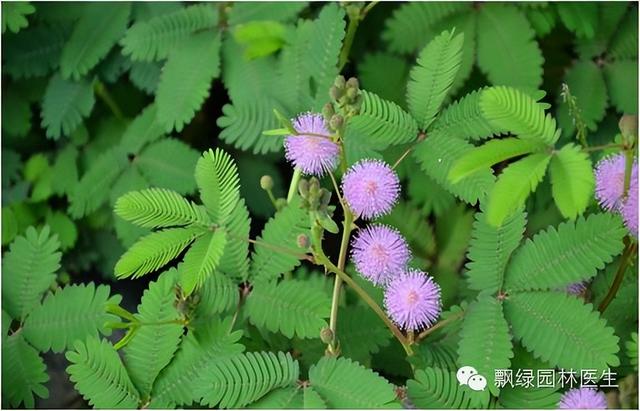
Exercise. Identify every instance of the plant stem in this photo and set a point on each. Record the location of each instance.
(438, 325)
(337, 284)
(629, 250)
(354, 21)
(628, 166)
(293, 186)
(602, 147)
(102, 92)
(283, 250)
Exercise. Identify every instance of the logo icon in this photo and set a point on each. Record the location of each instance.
(469, 376)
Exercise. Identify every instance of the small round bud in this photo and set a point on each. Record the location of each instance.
(328, 111)
(266, 182)
(326, 335)
(352, 93)
(303, 241)
(336, 121)
(628, 125)
(335, 93)
(303, 187)
(325, 197)
(339, 82)
(353, 83)
(281, 203)
(314, 187)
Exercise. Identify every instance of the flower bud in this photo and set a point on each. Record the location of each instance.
(281, 203)
(303, 188)
(628, 125)
(325, 197)
(326, 335)
(336, 121)
(328, 111)
(352, 93)
(303, 241)
(314, 187)
(266, 182)
(335, 93)
(353, 83)
(339, 82)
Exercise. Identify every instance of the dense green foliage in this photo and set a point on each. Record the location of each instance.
(140, 240)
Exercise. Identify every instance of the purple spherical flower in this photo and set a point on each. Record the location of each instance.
(371, 188)
(583, 398)
(610, 181)
(379, 252)
(313, 154)
(630, 209)
(412, 300)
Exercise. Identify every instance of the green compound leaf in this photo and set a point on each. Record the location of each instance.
(244, 12)
(432, 76)
(346, 384)
(156, 38)
(507, 50)
(14, 16)
(463, 119)
(514, 185)
(389, 84)
(235, 259)
(198, 352)
(562, 330)
(64, 106)
(490, 250)
(23, 370)
(98, 374)
(361, 333)
(72, 313)
(412, 25)
(185, 81)
(160, 208)
(295, 308)
(280, 232)
(512, 110)
(143, 130)
(218, 294)
(624, 42)
(154, 250)
(489, 154)
(154, 343)
(485, 341)
(219, 184)
(201, 260)
(572, 180)
(97, 31)
(632, 350)
(169, 163)
(34, 52)
(581, 19)
(383, 122)
(574, 252)
(242, 379)
(145, 75)
(437, 154)
(622, 83)
(291, 398)
(534, 397)
(28, 269)
(437, 388)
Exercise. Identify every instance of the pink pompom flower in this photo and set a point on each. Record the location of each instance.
(311, 153)
(371, 188)
(412, 300)
(630, 209)
(380, 252)
(583, 399)
(610, 181)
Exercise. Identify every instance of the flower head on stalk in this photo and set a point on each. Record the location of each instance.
(380, 252)
(412, 300)
(371, 188)
(309, 150)
(583, 398)
(610, 181)
(630, 209)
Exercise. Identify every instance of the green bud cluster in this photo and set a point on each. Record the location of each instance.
(346, 100)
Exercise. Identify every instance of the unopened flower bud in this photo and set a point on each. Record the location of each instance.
(325, 197)
(352, 93)
(336, 121)
(266, 182)
(303, 241)
(353, 83)
(281, 203)
(303, 187)
(339, 82)
(328, 111)
(335, 93)
(326, 335)
(314, 187)
(628, 125)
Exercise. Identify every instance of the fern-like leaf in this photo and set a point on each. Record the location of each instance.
(432, 76)
(145, 76)
(632, 350)
(244, 12)
(184, 82)
(346, 384)
(235, 259)
(534, 397)
(242, 379)
(436, 156)
(169, 163)
(280, 232)
(490, 250)
(155, 250)
(572, 180)
(622, 83)
(201, 260)
(98, 374)
(219, 184)
(23, 370)
(485, 342)
(14, 15)
(295, 308)
(97, 31)
(64, 106)
(504, 35)
(72, 313)
(489, 154)
(581, 19)
(361, 333)
(160, 208)
(154, 39)
(512, 110)
(463, 119)
(156, 340)
(384, 122)
(624, 42)
(28, 269)
(514, 185)
(143, 130)
(562, 330)
(218, 294)
(437, 388)
(572, 253)
(34, 52)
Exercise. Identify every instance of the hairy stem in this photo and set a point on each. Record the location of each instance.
(102, 92)
(601, 147)
(295, 179)
(629, 251)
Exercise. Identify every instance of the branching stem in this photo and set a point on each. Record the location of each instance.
(629, 251)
